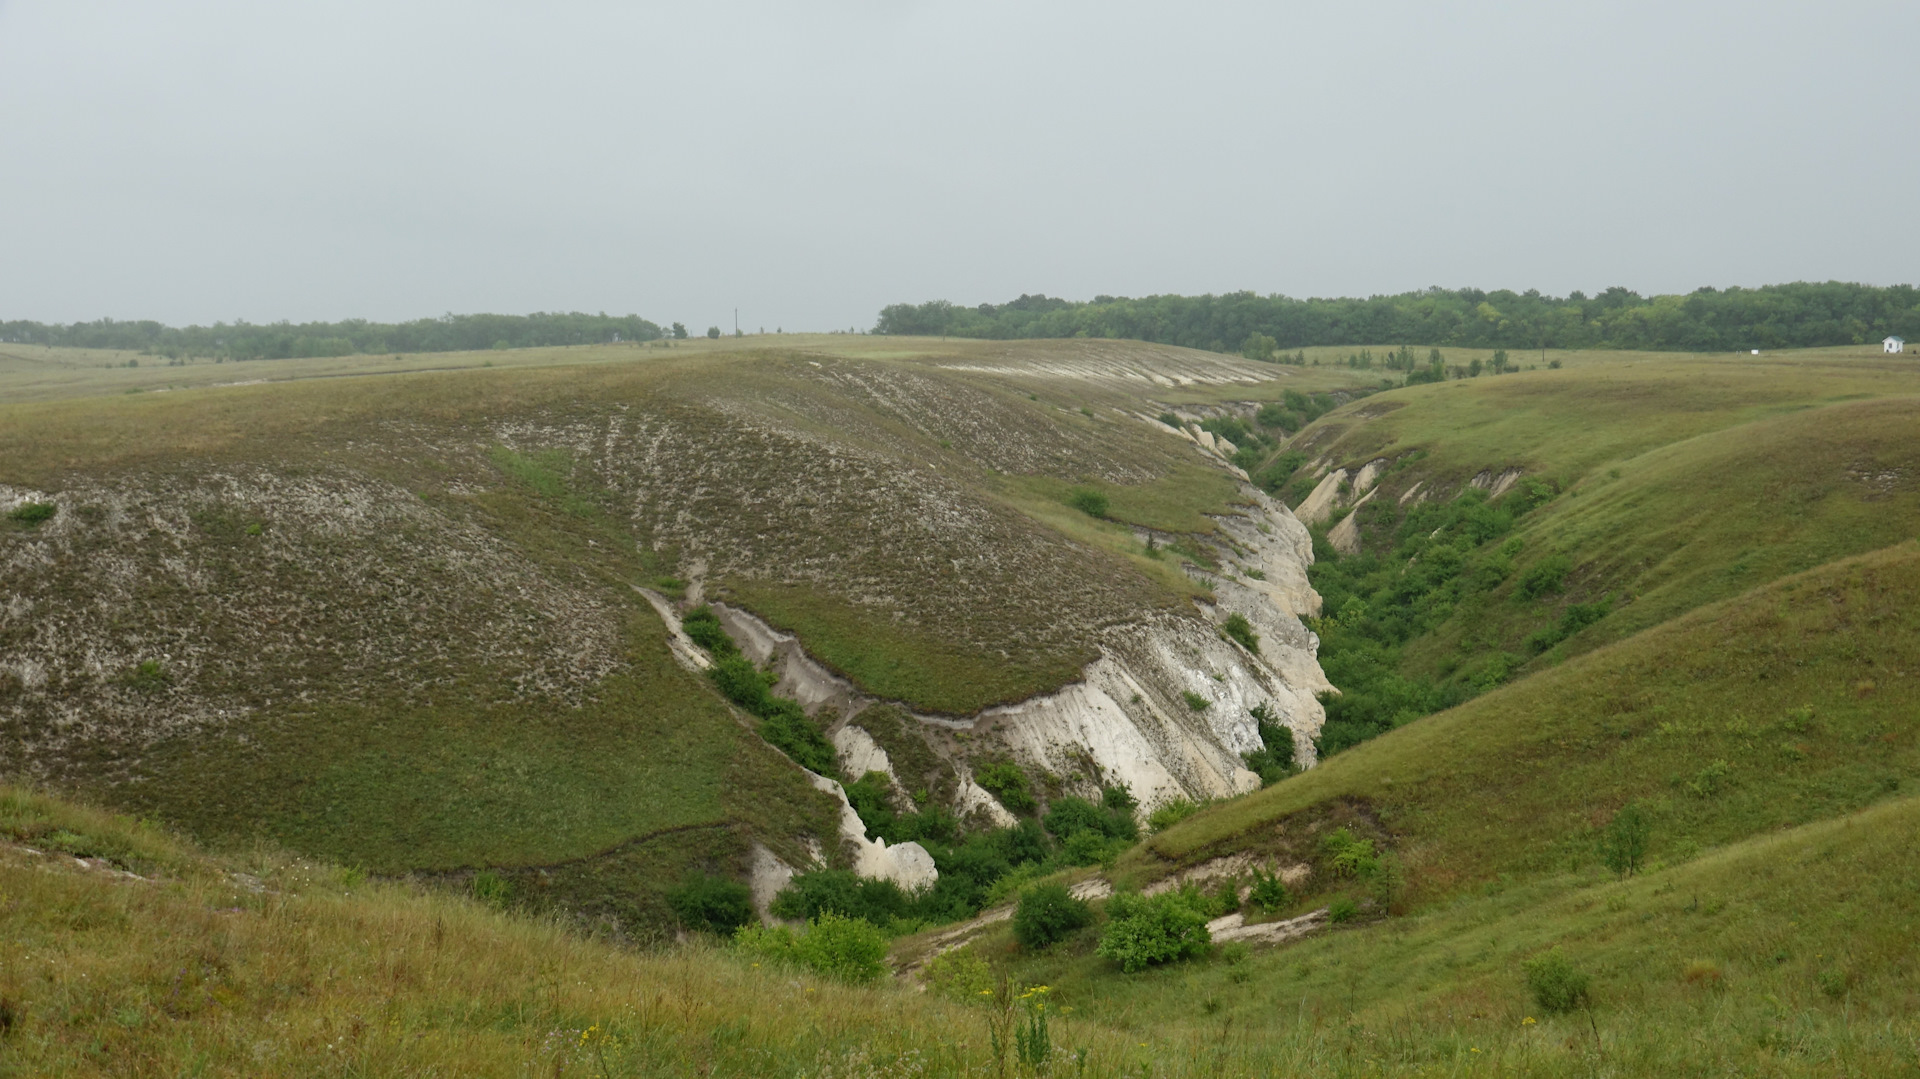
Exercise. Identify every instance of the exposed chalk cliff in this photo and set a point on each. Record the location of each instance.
(1132, 718)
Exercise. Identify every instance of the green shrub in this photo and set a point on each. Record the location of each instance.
(1342, 909)
(784, 724)
(1349, 855)
(703, 626)
(1005, 781)
(847, 949)
(1237, 627)
(1556, 985)
(1048, 914)
(1170, 420)
(492, 889)
(794, 734)
(1170, 814)
(743, 684)
(841, 892)
(1144, 932)
(1706, 782)
(1273, 761)
(1089, 501)
(32, 513)
(1194, 700)
(765, 943)
(960, 974)
(711, 904)
(1548, 576)
(1623, 845)
(868, 796)
(1069, 816)
(1268, 893)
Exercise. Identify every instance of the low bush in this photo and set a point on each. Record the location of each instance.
(703, 626)
(848, 949)
(1557, 986)
(1238, 628)
(492, 889)
(711, 904)
(1342, 909)
(764, 943)
(1143, 932)
(1113, 819)
(1170, 814)
(1268, 893)
(32, 513)
(1089, 501)
(784, 724)
(1706, 782)
(960, 974)
(1273, 761)
(1005, 781)
(1350, 856)
(794, 734)
(1048, 914)
(1194, 700)
(842, 892)
(1548, 576)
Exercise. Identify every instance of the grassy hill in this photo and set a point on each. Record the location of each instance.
(395, 616)
(1787, 955)
(1658, 483)
(387, 615)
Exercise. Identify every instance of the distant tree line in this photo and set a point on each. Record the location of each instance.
(286, 340)
(1800, 315)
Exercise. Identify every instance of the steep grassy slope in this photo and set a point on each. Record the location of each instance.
(1783, 956)
(1787, 954)
(1792, 703)
(1658, 484)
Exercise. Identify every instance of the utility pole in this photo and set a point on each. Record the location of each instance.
(736, 322)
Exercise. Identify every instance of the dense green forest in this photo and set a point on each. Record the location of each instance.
(284, 340)
(1801, 315)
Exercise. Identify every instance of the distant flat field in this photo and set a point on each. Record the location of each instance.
(36, 373)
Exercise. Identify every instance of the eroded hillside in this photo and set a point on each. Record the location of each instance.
(397, 620)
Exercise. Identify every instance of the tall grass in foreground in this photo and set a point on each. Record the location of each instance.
(271, 966)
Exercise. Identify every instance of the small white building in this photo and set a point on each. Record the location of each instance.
(1894, 344)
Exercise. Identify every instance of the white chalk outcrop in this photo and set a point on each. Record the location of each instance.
(1128, 716)
(906, 864)
(1131, 718)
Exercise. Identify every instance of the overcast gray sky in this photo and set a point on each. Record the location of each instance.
(809, 163)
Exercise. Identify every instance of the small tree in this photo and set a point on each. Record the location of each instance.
(713, 332)
(1623, 845)
(1260, 347)
(680, 331)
